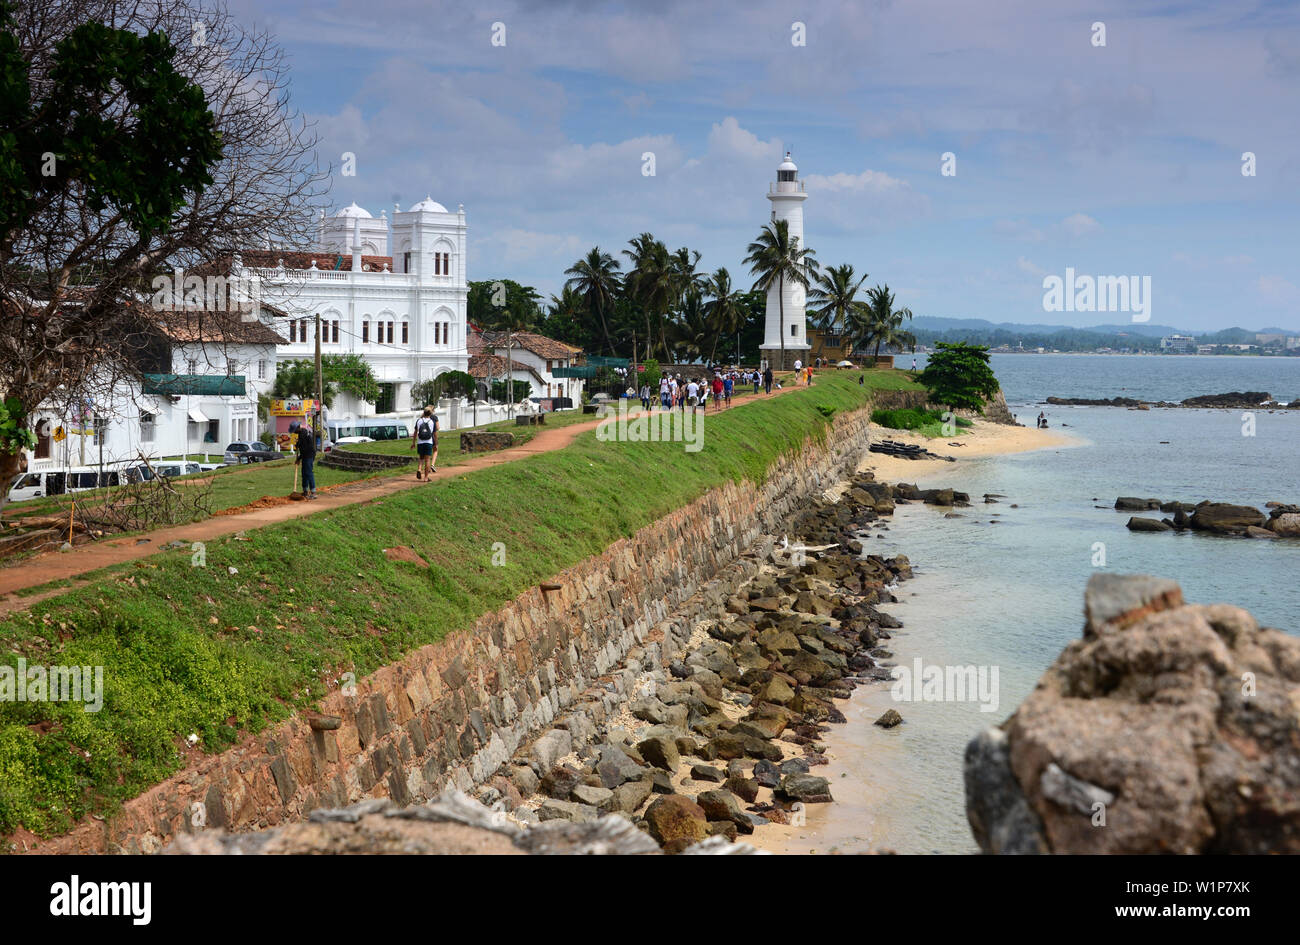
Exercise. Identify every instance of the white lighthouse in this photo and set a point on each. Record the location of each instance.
(786, 319)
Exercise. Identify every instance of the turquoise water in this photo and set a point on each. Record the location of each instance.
(1010, 595)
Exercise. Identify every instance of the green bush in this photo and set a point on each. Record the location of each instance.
(912, 418)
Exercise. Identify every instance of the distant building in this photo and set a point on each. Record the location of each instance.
(1178, 344)
(534, 358)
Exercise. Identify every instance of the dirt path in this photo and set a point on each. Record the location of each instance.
(82, 559)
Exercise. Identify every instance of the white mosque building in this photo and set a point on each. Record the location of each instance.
(394, 292)
(787, 321)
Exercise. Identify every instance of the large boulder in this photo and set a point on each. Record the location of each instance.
(1226, 518)
(1286, 524)
(1168, 728)
(1139, 524)
(676, 822)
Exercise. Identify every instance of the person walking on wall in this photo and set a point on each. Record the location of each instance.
(306, 457)
(425, 443)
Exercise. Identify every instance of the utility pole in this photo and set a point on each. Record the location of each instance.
(320, 381)
(510, 369)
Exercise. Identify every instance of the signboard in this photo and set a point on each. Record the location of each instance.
(294, 407)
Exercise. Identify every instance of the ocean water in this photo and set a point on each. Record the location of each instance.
(1010, 595)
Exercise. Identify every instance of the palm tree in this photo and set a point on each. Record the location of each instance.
(726, 314)
(776, 258)
(596, 278)
(691, 331)
(834, 297)
(885, 323)
(652, 283)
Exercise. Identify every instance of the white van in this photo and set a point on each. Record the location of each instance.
(376, 428)
(35, 485)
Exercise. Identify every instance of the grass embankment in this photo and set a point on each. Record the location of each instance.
(273, 618)
(236, 486)
(928, 423)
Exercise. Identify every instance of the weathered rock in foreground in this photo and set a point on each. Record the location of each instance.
(1169, 728)
(451, 824)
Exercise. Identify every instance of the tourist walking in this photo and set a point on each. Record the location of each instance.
(767, 380)
(425, 443)
(692, 395)
(727, 383)
(757, 379)
(645, 396)
(306, 457)
(717, 390)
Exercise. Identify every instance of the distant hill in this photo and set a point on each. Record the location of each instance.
(1135, 335)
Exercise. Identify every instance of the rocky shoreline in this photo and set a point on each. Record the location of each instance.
(726, 740)
(1233, 400)
(1218, 518)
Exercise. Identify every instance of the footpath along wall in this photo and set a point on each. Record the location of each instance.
(453, 712)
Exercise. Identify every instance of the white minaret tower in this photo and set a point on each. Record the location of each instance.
(787, 196)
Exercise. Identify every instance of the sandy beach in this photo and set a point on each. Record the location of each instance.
(985, 438)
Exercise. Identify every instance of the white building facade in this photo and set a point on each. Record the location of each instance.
(394, 292)
(787, 321)
(208, 399)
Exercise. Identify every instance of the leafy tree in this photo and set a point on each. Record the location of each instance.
(651, 375)
(776, 258)
(522, 391)
(689, 332)
(122, 155)
(834, 297)
(503, 314)
(959, 376)
(348, 373)
(488, 298)
(447, 384)
(565, 320)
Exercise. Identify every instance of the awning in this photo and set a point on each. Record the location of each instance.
(208, 385)
(197, 415)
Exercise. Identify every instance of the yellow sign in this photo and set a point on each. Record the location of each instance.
(294, 407)
(59, 435)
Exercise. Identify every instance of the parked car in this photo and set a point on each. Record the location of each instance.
(250, 452)
(173, 470)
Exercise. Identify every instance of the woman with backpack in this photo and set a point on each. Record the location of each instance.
(425, 443)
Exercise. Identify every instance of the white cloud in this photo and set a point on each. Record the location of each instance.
(1079, 225)
(1025, 265)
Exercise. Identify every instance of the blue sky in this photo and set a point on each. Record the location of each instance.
(1117, 160)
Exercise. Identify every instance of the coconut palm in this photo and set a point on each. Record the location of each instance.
(776, 258)
(885, 323)
(833, 297)
(596, 278)
(652, 283)
(725, 309)
(690, 332)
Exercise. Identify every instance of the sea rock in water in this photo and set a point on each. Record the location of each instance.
(1126, 503)
(1136, 524)
(889, 719)
(1174, 725)
(1225, 517)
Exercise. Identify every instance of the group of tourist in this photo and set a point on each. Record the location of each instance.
(677, 392)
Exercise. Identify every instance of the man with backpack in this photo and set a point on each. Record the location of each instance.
(425, 443)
